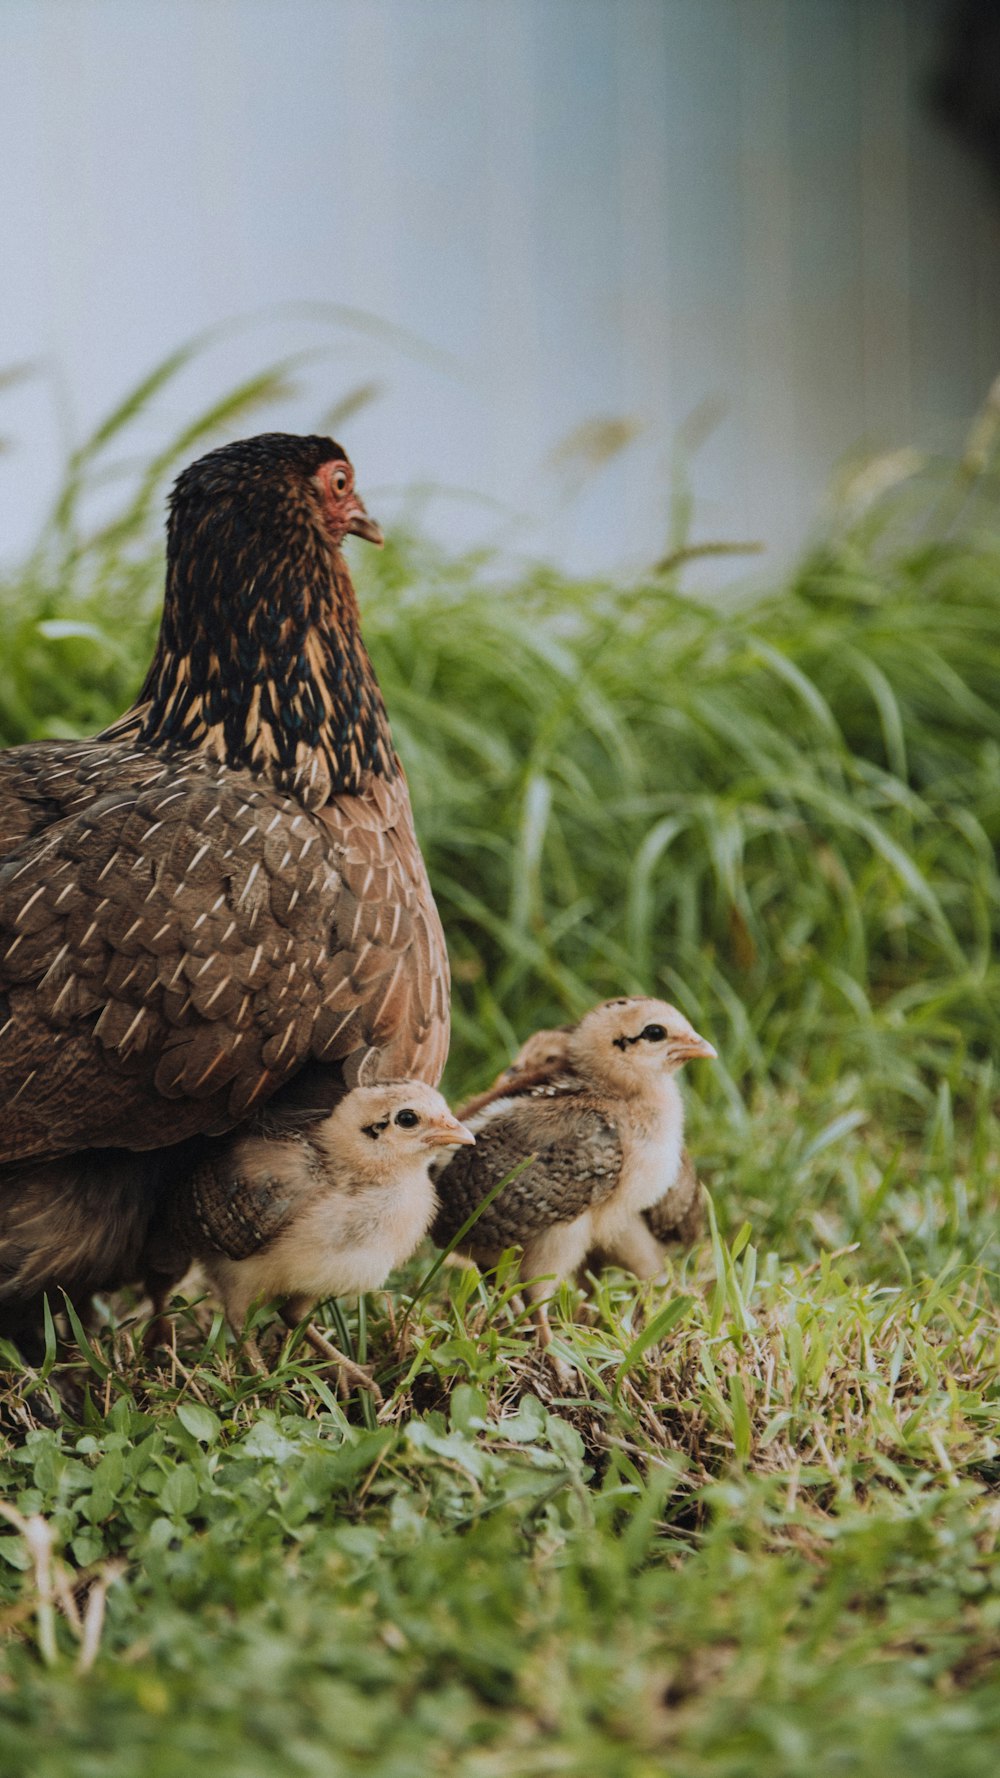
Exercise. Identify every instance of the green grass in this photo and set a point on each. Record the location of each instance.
(763, 1537)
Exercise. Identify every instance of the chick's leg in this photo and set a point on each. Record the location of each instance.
(238, 1286)
(349, 1374)
(546, 1261)
(160, 1286)
(634, 1247)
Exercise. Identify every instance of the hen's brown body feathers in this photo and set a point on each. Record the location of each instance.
(175, 952)
(222, 897)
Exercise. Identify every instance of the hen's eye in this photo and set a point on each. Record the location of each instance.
(338, 482)
(653, 1034)
(407, 1120)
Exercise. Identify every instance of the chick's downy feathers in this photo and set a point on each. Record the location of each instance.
(544, 1070)
(327, 1211)
(604, 1118)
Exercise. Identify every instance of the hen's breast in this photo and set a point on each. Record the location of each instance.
(390, 998)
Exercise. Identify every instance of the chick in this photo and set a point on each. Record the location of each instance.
(605, 1121)
(325, 1211)
(678, 1216)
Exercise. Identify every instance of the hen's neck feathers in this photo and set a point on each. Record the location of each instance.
(266, 670)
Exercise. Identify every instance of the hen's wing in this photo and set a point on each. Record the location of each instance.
(173, 953)
(579, 1160)
(46, 781)
(387, 1004)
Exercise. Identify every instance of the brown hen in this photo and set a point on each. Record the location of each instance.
(220, 900)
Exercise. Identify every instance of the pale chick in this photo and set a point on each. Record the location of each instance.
(329, 1210)
(603, 1114)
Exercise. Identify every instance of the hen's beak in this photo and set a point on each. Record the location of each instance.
(446, 1132)
(687, 1048)
(360, 525)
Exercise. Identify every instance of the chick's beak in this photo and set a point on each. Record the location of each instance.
(447, 1132)
(687, 1048)
(360, 525)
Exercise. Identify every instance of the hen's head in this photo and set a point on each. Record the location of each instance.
(260, 660)
(268, 493)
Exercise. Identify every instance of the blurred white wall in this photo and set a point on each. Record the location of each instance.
(584, 209)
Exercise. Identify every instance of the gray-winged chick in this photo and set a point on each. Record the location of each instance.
(326, 1211)
(678, 1216)
(605, 1118)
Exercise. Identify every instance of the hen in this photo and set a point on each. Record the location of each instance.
(220, 900)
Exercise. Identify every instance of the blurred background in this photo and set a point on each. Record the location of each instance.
(579, 284)
(598, 250)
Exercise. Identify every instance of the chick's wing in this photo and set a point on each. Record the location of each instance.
(578, 1164)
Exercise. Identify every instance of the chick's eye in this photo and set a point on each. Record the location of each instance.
(407, 1120)
(653, 1034)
